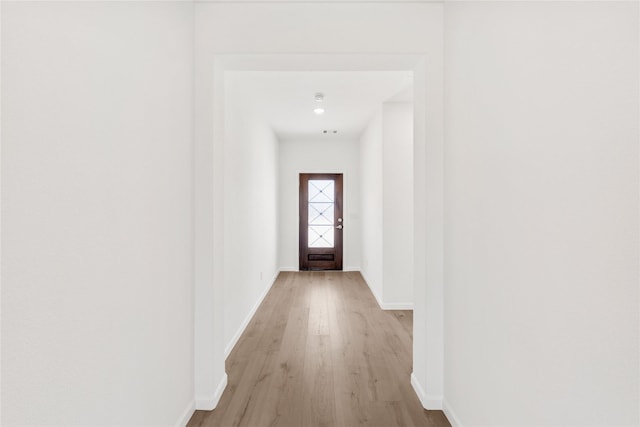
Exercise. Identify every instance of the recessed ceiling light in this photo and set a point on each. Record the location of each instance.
(318, 110)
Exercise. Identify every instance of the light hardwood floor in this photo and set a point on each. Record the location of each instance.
(319, 352)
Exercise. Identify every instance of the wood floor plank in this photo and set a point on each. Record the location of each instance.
(319, 352)
(318, 405)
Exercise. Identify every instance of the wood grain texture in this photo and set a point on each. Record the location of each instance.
(319, 352)
(320, 258)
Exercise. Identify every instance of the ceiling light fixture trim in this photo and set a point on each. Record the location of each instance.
(319, 98)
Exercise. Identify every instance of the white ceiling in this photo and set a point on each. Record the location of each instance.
(286, 99)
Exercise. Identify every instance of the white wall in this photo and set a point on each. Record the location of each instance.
(371, 201)
(250, 210)
(386, 150)
(97, 296)
(397, 207)
(318, 156)
(541, 245)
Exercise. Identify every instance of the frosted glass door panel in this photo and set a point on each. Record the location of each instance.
(321, 213)
(321, 191)
(320, 236)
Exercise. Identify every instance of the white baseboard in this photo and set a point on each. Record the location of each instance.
(209, 403)
(387, 305)
(186, 415)
(375, 295)
(397, 306)
(451, 415)
(247, 319)
(351, 269)
(429, 402)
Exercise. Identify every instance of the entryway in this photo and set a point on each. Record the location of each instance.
(216, 297)
(321, 221)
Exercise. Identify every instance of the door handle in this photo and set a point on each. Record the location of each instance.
(339, 226)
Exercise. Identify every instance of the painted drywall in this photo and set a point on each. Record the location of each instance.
(320, 27)
(386, 150)
(250, 209)
(372, 205)
(332, 156)
(541, 248)
(347, 32)
(397, 206)
(97, 295)
(428, 227)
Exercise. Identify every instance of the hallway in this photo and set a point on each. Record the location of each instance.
(320, 352)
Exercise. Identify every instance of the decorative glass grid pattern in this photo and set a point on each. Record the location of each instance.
(320, 213)
(321, 217)
(321, 236)
(321, 190)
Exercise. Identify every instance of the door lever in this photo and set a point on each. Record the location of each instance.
(339, 226)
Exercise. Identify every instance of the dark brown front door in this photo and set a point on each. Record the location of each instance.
(321, 221)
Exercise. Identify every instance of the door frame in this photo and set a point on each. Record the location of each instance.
(209, 333)
(303, 225)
